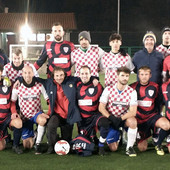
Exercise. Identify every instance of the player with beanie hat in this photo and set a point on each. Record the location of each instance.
(165, 29)
(84, 34)
(164, 48)
(149, 34)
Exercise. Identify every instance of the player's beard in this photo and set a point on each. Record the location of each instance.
(123, 82)
(84, 45)
(58, 38)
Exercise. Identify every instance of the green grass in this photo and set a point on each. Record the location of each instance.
(148, 160)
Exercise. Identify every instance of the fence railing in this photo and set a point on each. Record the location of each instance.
(130, 50)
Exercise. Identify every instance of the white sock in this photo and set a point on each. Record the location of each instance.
(40, 133)
(102, 140)
(131, 137)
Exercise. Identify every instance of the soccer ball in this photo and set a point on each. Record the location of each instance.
(62, 147)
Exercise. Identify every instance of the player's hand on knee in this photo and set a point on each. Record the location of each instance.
(45, 115)
(115, 121)
(14, 116)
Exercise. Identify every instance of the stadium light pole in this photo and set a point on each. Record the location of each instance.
(118, 16)
(26, 30)
(25, 33)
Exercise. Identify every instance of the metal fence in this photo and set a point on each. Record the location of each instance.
(130, 50)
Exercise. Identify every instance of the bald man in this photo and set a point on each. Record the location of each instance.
(29, 95)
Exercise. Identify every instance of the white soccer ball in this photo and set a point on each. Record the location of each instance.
(62, 147)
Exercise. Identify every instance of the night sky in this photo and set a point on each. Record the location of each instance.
(101, 15)
(136, 16)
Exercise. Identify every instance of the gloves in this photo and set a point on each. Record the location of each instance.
(6, 82)
(115, 121)
(122, 52)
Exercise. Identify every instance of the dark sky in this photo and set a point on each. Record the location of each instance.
(101, 15)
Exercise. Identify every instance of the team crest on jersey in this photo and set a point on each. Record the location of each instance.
(151, 92)
(4, 89)
(66, 49)
(91, 90)
(70, 85)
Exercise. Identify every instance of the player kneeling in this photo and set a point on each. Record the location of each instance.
(119, 104)
(6, 120)
(148, 117)
(29, 97)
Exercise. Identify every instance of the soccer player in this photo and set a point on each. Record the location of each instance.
(166, 96)
(164, 48)
(86, 55)
(148, 56)
(88, 100)
(29, 96)
(116, 58)
(148, 117)
(13, 70)
(3, 58)
(119, 104)
(6, 119)
(63, 109)
(57, 52)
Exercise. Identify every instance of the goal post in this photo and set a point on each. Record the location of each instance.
(30, 52)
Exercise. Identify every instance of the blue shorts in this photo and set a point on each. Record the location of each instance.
(27, 129)
(113, 136)
(3, 127)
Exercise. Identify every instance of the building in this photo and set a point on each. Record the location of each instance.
(40, 24)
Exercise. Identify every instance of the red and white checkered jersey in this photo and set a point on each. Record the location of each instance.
(90, 58)
(13, 74)
(118, 103)
(29, 99)
(164, 50)
(110, 62)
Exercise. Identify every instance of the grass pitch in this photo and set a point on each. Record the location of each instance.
(148, 160)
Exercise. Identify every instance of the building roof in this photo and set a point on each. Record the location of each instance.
(37, 21)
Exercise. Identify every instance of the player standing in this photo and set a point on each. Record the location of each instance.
(57, 52)
(164, 48)
(86, 55)
(13, 70)
(148, 56)
(115, 59)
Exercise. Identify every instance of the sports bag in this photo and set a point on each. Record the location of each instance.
(82, 145)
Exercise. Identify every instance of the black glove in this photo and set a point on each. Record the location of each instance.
(115, 121)
(122, 51)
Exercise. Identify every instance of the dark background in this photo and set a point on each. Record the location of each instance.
(100, 16)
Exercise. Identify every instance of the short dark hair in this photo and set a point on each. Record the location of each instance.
(57, 24)
(144, 68)
(1, 67)
(115, 36)
(123, 69)
(17, 51)
(86, 67)
(58, 69)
